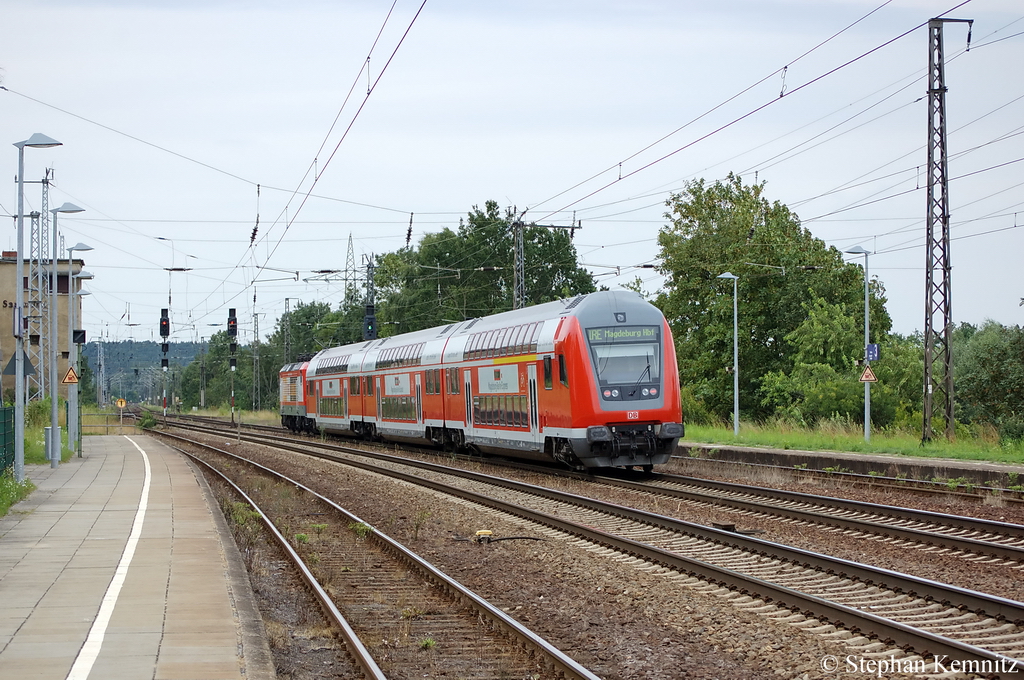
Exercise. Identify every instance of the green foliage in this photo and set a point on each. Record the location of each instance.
(147, 421)
(456, 275)
(302, 538)
(834, 435)
(11, 491)
(786, 276)
(988, 364)
(827, 336)
(362, 529)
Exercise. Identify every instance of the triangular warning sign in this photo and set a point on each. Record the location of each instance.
(868, 375)
(70, 378)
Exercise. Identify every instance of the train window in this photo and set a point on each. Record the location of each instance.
(513, 339)
(474, 340)
(547, 373)
(430, 382)
(456, 385)
(534, 337)
(563, 371)
(503, 338)
(437, 380)
(485, 344)
(503, 410)
(476, 411)
(521, 338)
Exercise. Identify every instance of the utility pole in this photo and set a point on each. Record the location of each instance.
(287, 332)
(519, 269)
(370, 316)
(350, 268)
(938, 318)
(233, 336)
(257, 392)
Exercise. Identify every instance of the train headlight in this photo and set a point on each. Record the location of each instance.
(599, 433)
(615, 393)
(671, 430)
(646, 392)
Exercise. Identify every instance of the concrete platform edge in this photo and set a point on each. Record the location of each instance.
(255, 653)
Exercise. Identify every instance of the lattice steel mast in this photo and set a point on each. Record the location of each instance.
(37, 306)
(938, 318)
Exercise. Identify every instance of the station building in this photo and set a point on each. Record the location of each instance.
(36, 322)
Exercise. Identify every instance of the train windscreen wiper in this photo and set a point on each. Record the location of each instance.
(647, 372)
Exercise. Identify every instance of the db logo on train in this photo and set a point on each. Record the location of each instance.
(632, 415)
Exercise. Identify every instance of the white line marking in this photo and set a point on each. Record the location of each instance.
(91, 649)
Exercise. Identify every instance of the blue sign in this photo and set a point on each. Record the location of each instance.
(871, 354)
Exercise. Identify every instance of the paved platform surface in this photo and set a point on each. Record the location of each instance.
(119, 565)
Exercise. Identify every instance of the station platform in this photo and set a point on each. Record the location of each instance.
(119, 565)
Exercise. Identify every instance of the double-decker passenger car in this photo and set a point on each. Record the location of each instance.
(589, 381)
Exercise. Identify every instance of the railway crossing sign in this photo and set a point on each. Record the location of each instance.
(70, 378)
(868, 376)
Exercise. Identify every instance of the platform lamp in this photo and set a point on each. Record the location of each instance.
(735, 355)
(73, 429)
(54, 385)
(861, 250)
(36, 141)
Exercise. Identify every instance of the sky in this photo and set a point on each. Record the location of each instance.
(188, 125)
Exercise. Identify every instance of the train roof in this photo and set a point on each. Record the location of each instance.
(598, 305)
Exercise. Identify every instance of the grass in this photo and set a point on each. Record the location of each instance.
(850, 438)
(11, 492)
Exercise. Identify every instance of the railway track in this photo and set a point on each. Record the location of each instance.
(894, 609)
(398, 615)
(950, 488)
(979, 540)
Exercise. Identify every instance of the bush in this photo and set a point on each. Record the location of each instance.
(11, 492)
(147, 421)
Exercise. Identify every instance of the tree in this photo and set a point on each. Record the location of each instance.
(456, 275)
(729, 226)
(988, 368)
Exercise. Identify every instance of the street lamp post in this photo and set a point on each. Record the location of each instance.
(36, 141)
(735, 355)
(860, 250)
(73, 433)
(54, 385)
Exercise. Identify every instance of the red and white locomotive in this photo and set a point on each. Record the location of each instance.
(589, 381)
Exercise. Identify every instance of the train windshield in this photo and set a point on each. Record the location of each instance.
(626, 354)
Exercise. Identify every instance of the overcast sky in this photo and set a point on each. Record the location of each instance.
(183, 121)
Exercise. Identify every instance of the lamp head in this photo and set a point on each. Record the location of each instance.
(38, 141)
(68, 208)
(84, 275)
(858, 250)
(727, 275)
(80, 247)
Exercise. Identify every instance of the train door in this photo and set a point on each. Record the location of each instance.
(419, 399)
(531, 375)
(380, 403)
(468, 389)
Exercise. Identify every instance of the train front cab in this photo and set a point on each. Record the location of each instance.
(624, 392)
(292, 398)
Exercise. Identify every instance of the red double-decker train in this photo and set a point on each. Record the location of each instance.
(589, 381)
